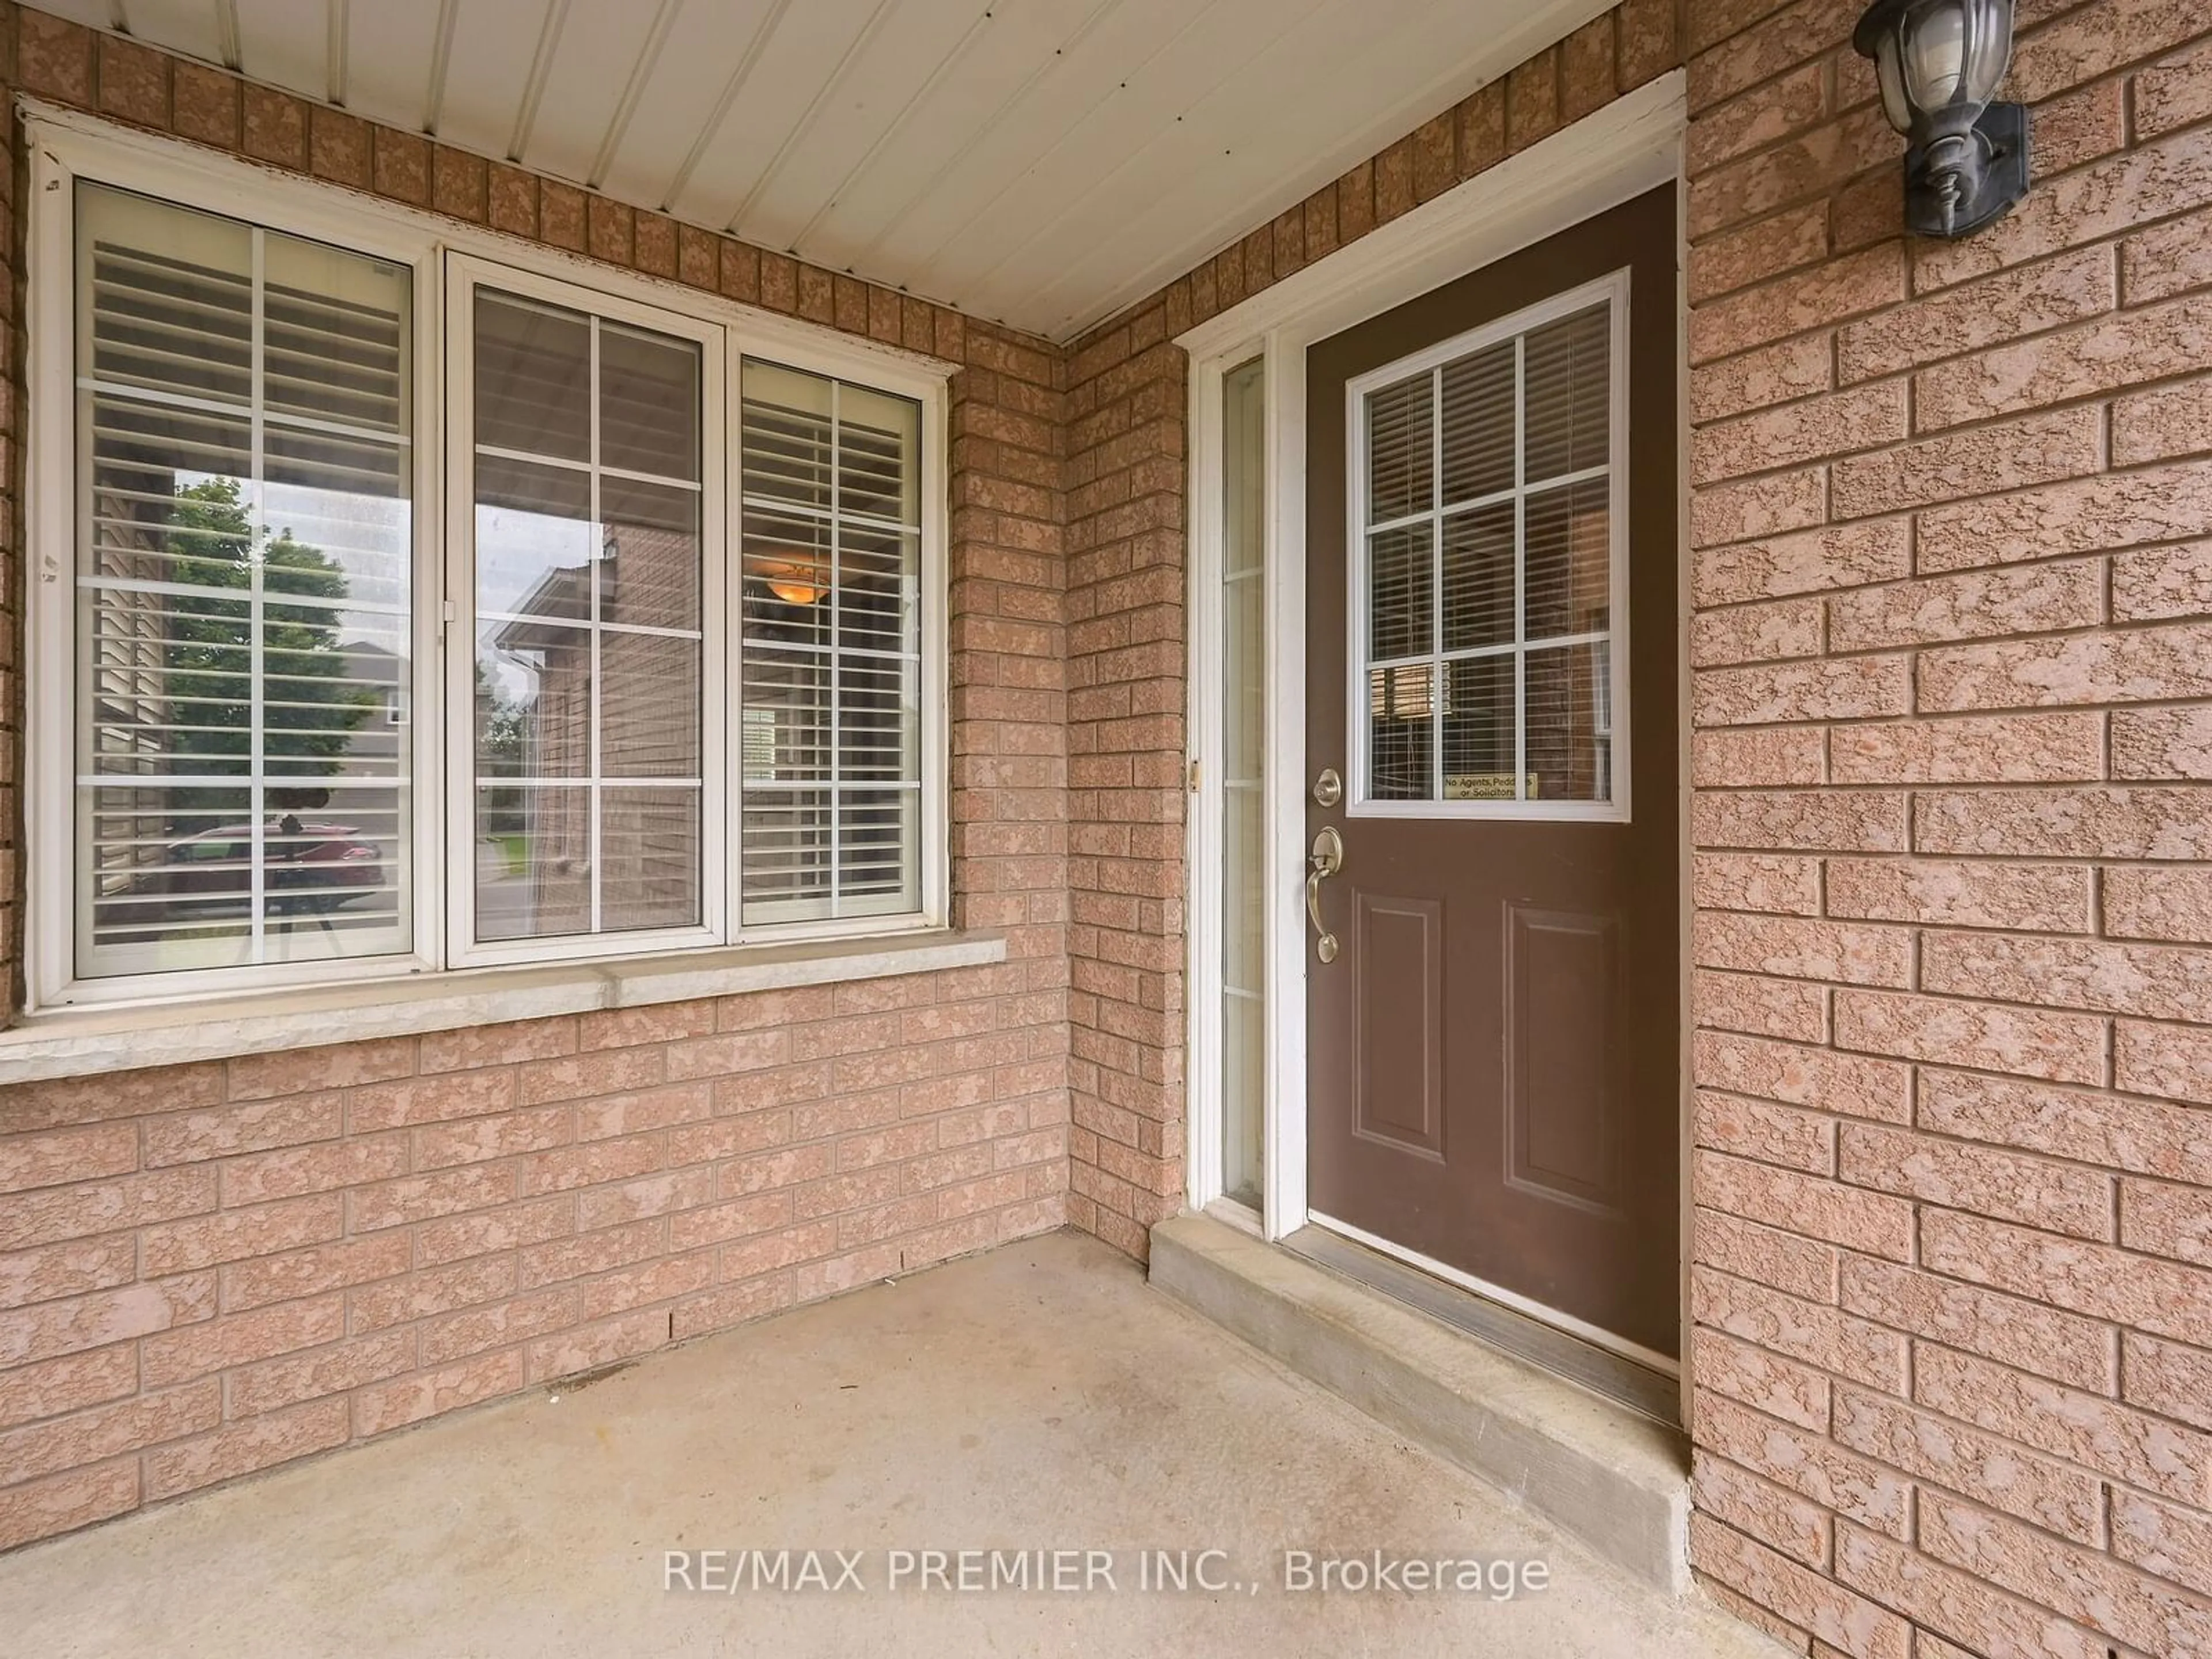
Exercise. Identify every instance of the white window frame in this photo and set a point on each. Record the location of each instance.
(466, 274)
(67, 146)
(1613, 291)
(931, 591)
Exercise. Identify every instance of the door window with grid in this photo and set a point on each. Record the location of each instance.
(1489, 569)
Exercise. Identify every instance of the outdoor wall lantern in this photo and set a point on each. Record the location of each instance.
(1940, 61)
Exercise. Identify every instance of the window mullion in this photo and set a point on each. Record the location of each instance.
(1521, 567)
(736, 786)
(594, 574)
(837, 659)
(257, 740)
(1437, 668)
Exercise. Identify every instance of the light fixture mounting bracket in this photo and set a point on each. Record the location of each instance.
(1946, 200)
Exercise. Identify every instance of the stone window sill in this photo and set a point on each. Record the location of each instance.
(87, 1042)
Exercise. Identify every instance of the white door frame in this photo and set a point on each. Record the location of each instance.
(1632, 145)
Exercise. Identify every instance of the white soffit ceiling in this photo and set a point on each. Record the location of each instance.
(1042, 162)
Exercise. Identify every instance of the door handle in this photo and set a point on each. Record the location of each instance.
(1325, 861)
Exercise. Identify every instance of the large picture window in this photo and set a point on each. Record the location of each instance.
(664, 673)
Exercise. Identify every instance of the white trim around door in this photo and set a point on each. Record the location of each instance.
(1632, 145)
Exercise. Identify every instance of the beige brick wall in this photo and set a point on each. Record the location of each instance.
(1125, 743)
(210, 1269)
(1953, 1256)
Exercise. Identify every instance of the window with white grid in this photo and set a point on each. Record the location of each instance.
(1489, 571)
(830, 617)
(665, 671)
(243, 596)
(588, 608)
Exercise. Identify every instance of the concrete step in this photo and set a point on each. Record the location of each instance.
(1609, 1477)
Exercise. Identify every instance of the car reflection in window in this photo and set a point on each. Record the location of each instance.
(311, 868)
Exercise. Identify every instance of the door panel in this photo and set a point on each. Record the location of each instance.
(1494, 1053)
(1563, 1106)
(1401, 1021)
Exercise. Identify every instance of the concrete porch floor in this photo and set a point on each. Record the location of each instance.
(1039, 1397)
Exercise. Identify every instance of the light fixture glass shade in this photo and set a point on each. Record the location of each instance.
(796, 577)
(1935, 54)
(1894, 104)
(1989, 47)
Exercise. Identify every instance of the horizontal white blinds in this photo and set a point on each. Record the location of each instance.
(243, 593)
(830, 648)
(1488, 559)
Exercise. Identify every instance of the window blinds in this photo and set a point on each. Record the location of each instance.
(1488, 571)
(830, 648)
(242, 593)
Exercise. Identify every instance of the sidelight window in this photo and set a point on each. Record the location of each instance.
(1244, 749)
(1489, 570)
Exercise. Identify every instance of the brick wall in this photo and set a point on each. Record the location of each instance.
(1126, 476)
(212, 1268)
(207, 1270)
(1127, 465)
(1953, 1277)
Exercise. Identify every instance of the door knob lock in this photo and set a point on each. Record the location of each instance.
(1324, 861)
(1328, 788)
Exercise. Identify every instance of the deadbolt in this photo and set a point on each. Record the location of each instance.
(1328, 788)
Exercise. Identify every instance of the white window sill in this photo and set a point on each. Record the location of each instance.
(87, 1041)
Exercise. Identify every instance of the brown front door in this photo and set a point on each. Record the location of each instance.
(1494, 1078)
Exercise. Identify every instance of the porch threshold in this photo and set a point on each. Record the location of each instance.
(1612, 1477)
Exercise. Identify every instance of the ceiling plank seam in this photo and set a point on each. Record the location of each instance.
(656, 37)
(805, 125)
(339, 32)
(541, 71)
(746, 62)
(225, 31)
(441, 62)
(921, 95)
